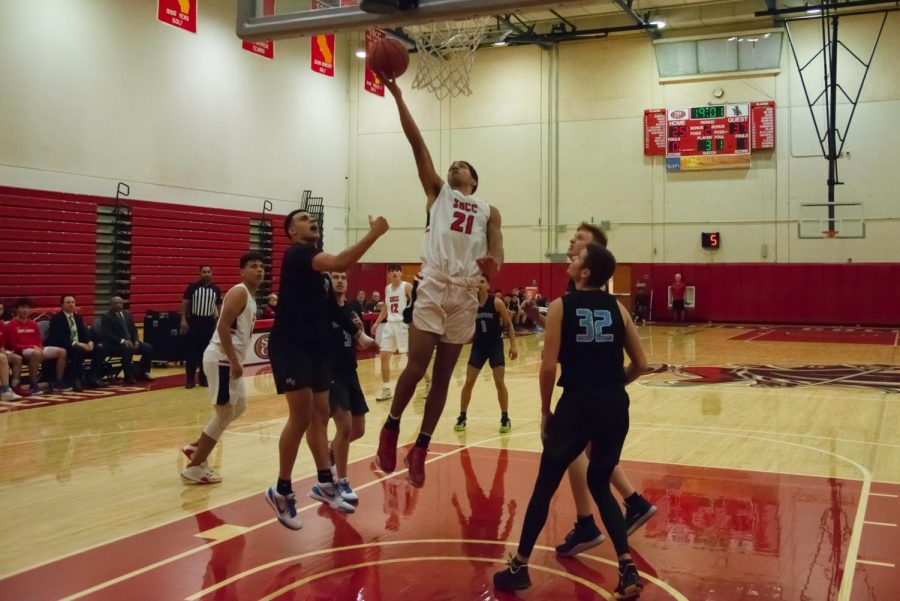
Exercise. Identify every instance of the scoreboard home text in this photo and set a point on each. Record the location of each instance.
(709, 137)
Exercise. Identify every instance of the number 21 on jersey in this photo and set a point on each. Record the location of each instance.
(592, 324)
(462, 222)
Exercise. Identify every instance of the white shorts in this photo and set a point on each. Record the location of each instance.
(223, 389)
(50, 352)
(446, 307)
(394, 337)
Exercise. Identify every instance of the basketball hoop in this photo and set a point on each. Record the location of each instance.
(830, 233)
(446, 51)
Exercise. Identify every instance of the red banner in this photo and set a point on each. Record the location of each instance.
(321, 54)
(264, 49)
(179, 13)
(373, 84)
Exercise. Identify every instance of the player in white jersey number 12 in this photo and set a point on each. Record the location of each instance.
(462, 241)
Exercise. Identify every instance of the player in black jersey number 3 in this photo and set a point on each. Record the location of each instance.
(586, 332)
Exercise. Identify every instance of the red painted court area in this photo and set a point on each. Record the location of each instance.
(821, 335)
(720, 535)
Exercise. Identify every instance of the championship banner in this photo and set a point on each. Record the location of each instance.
(322, 54)
(373, 84)
(264, 49)
(178, 13)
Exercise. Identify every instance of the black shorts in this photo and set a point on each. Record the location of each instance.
(487, 351)
(678, 305)
(346, 393)
(598, 417)
(298, 367)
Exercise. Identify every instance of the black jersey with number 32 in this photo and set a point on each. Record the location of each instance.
(591, 353)
(487, 322)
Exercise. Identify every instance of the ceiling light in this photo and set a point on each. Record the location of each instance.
(767, 35)
(752, 39)
(813, 11)
(500, 43)
(732, 38)
(659, 23)
(361, 53)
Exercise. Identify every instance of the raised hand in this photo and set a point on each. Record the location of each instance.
(378, 225)
(488, 266)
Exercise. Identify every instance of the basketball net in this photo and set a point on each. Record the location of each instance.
(446, 51)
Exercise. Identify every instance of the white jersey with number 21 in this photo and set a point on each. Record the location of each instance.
(456, 234)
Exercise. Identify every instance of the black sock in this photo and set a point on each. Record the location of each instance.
(624, 563)
(392, 423)
(632, 498)
(423, 440)
(462, 414)
(584, 520)
(516, 563)
(325, 476)
(504, 416)
(284, 487)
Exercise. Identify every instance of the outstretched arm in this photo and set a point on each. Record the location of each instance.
(350, 255)
(431, 181)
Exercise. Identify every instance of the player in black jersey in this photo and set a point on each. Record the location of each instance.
(300, 368)
(348, 403)
(585, 534)
(487, 345)
(586, 332)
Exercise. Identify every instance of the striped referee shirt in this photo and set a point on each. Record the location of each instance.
(203, 298)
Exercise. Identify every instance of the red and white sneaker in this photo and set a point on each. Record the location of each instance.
(386, 458)
(200, 474)
(415, 461)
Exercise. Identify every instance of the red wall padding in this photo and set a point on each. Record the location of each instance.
(802, 293)
(49, 239)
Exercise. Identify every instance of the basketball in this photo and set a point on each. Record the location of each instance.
(388, 57)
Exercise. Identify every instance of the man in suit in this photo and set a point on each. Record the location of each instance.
(120, 337)
(67, 330)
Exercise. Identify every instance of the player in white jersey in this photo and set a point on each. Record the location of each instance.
(223, 364)
(462, 241)
(394, 334)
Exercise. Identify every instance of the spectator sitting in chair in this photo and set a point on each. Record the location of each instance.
(268, 311)
(67, 331)
(372, 304)
(9, 361)
(357, 305)
(24, 338)
(120, 337)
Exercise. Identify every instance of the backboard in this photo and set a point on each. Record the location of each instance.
(846, 220)
(269, 19)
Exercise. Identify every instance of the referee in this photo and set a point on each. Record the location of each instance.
(199, 312)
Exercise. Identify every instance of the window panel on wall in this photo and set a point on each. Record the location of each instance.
(716, 56)
(677, 58)
(759, 52)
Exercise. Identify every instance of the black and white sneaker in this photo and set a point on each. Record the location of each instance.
(580, 538)
(637, 513)
(630, 583)
(513, 578)
(460, 424)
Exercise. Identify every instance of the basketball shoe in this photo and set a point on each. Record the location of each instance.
(285, 507)
(200, 474)
(415, 461)
(328, 493)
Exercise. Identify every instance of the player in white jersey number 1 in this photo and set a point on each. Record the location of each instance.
(223, 364)
(462, 241)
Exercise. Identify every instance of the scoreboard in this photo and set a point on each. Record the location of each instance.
(709, 137)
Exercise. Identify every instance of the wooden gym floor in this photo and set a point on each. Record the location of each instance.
(773, 455)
